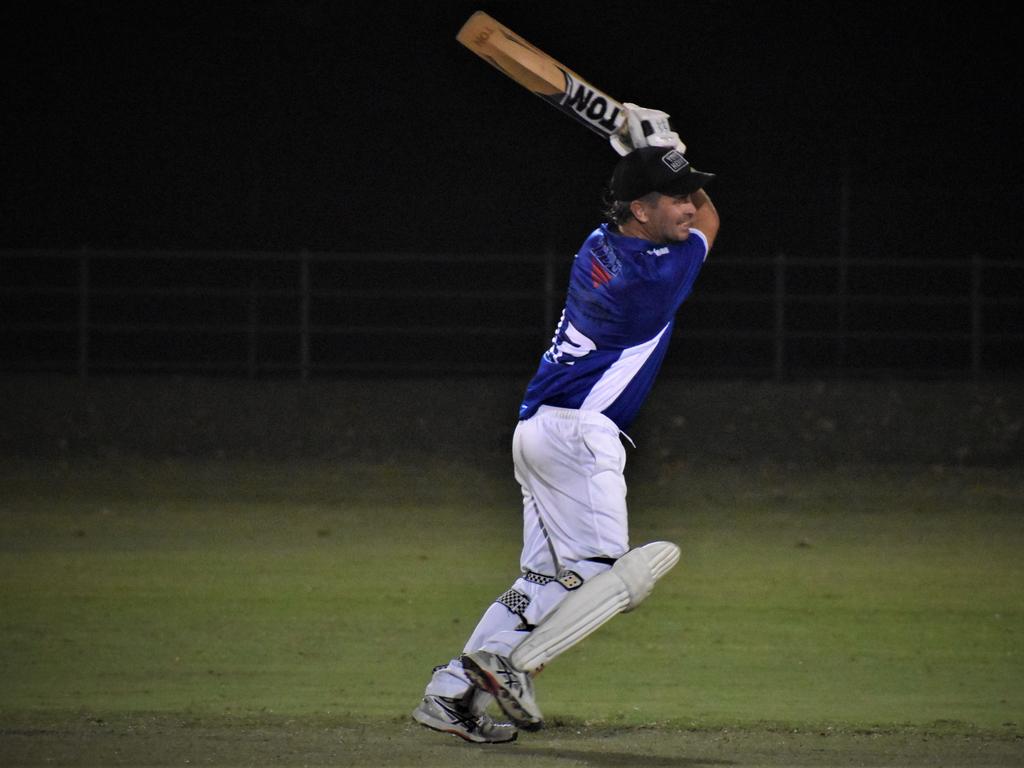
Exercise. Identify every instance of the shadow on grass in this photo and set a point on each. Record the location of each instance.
(614, 759)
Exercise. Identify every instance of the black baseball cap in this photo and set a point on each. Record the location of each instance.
(655, 169)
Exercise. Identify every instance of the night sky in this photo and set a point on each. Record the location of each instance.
(366, 127)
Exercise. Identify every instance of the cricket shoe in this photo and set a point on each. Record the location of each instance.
(453, 716)
(512, 687)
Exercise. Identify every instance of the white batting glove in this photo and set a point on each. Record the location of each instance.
(647, 128)
(621, 143)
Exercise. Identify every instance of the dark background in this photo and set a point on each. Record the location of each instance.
(284, 125)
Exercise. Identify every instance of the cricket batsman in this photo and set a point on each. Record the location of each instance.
(577, 569)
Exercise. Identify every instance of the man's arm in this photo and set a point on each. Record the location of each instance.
(706, 217)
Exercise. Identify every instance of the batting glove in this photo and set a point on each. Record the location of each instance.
(647, 128)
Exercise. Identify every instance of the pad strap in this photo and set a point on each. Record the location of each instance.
(537, 578)
(515, 601)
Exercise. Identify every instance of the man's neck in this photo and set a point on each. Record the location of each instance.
(634, 228)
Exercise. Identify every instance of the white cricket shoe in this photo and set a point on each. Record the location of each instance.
(512, 687)
(453, 716)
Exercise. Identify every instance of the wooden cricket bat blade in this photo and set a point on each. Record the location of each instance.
(541, 74)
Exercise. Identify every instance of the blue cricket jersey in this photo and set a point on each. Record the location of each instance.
(623, 296)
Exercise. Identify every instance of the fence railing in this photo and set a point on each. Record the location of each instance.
(309, 314)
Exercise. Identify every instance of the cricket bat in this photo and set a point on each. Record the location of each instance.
(536, 71)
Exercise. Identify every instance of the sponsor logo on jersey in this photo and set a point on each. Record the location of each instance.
(604, 264)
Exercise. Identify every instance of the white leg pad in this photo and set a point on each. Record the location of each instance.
(641, 567)
(600, 598)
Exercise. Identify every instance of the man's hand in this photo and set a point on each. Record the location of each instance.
(647, 128)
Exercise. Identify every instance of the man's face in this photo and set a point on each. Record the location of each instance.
(668, 218)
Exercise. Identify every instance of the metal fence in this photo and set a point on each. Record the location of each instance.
(316, 314)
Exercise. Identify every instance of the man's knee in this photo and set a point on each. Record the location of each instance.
(619, 588)
(548, 597)
(641, 567)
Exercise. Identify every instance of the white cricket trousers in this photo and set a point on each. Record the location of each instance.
(570, 466)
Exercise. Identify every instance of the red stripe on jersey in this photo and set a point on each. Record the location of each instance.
(598, 274)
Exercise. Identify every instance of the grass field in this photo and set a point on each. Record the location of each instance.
(231, 613)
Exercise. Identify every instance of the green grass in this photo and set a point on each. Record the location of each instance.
(858, 598)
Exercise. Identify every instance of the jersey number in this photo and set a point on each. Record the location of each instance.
(573, 343)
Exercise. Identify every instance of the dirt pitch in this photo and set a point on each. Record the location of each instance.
(166, 740)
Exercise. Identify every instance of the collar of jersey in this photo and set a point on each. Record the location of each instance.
(632, 243)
